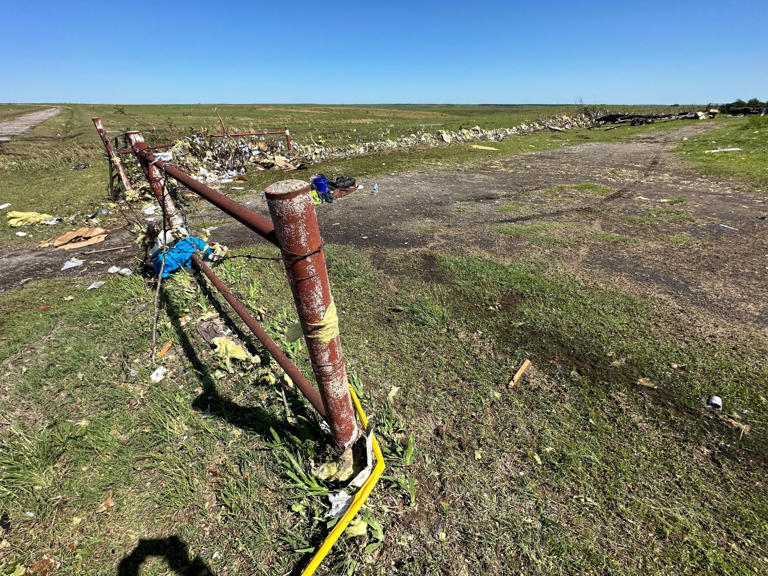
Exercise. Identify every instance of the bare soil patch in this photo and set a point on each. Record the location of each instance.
(630, 213)
(25, 122)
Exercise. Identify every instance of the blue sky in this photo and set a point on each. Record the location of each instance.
(378, 52)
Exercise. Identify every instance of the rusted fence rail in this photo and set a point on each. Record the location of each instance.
(294, 229)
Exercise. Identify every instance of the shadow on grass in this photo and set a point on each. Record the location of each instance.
(212, 403)
(175, 552)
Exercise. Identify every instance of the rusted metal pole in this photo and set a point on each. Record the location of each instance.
(298, 235)
(155, 178)
(287, 138)
(113, 159)
(285, 363)
(251, 219)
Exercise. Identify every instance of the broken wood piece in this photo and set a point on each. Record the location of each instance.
(520, 373)
(164, 349)
(80, 238)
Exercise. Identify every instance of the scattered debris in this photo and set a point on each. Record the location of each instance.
(5, 522)
(210, 328)
(106, 505)
(53, 220)
(358, 527)
(118, 270)
(716, 150)
(479, 147)
(72, 263)
(81, 167)
(729, 227)
(149, 210)
(164, 349)
(639, 119)
(227, 350)
(16, 219)
(715, 402)
(520, 373)
(4, 206)
(46, 566)
(21, 234)
(80, 238)
(646, 383)
(339, 504)
(180, 255)
(96, 285)
(158, 375)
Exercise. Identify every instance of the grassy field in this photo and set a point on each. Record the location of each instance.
(36, 171)
(603, 461)
(749, 163)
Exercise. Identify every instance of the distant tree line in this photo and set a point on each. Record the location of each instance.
(753, 106)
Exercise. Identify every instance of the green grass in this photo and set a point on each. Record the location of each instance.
(540, 233)
(40, 178)
(750, 134)
(510, 207)
(542, 477)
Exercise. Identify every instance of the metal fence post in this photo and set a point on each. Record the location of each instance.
(156, 182)
(298, 235)
(114, 161)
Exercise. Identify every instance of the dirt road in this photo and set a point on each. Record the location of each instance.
(628, 213)
(25, 122)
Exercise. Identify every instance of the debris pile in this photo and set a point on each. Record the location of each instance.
(223, 160)
(640, 119)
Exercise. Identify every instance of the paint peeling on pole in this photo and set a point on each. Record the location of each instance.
(114, 162)
(298, 235)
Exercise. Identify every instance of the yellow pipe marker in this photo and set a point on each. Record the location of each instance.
(357, 501)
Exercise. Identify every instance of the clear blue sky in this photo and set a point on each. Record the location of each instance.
(382, 52)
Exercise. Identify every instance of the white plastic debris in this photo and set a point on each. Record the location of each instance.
(21, 234)
(158, 375)
(52, 221)
(163, 156)
(715, 402)
(118, 270)
(72, 263)
(4, 206)
(339, 504)
(95, 285)
(149, 210)
(721, 150)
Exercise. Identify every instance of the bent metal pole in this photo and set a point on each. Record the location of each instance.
(285, 363)
(298, 235)
(114, 161)
(155, 177)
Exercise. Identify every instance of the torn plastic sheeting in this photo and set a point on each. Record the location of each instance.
(339, 504)
(72, 263)
(179, 256)
(96, 285)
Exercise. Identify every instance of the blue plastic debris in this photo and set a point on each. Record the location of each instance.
(179, 255)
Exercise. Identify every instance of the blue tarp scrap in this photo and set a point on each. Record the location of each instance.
(179, 255)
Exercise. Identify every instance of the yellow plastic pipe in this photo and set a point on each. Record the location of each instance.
(357, 501)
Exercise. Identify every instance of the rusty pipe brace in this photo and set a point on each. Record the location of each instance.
(249, 218)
